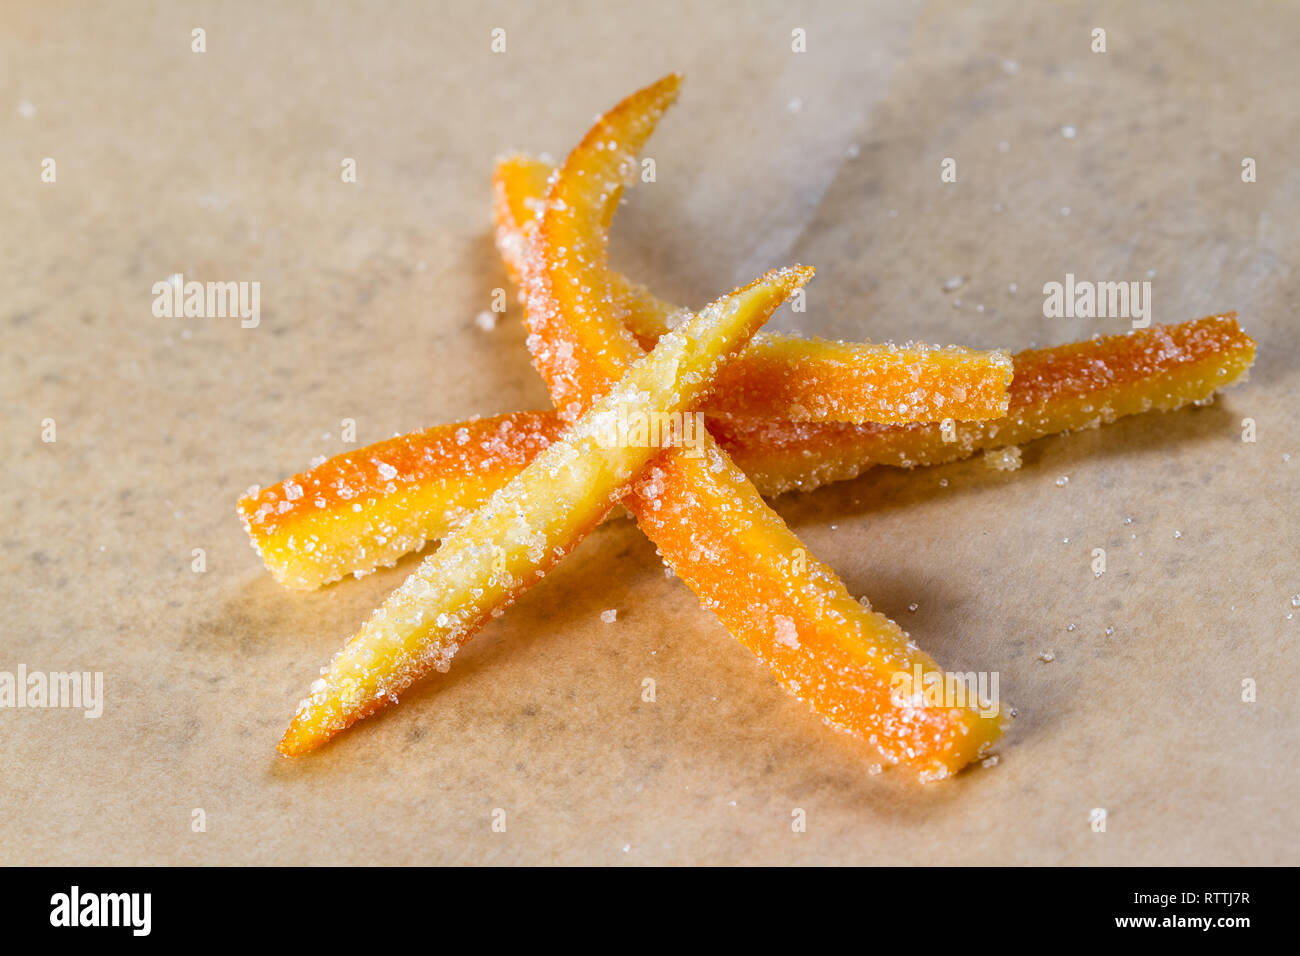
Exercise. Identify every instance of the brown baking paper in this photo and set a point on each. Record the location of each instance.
(228, 165)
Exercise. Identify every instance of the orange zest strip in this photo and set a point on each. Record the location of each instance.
(709, 522)
(364, 509)
(1063, 388)
(346, 516)
(780, 376)
(524, 529)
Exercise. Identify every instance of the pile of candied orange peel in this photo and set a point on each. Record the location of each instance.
(510, 496)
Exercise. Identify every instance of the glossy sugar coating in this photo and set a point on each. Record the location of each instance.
(509, 543)
(709, 522)
(779, 375)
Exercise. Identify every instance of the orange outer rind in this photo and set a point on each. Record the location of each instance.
(779, 376)
(507, 545)
(1063, 388)
(709, 522)
(364, 509)
(345, 516)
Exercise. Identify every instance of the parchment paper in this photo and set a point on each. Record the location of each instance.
(225, 166)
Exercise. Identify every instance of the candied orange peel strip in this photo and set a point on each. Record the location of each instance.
(510, 543)
(779, 376)
(312, 538)
(709, 522)
(1063, 388)
(366, 508)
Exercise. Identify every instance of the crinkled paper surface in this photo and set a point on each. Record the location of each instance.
(225, 166)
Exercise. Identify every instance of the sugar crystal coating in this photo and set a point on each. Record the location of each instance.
(589, 286)
(524, 527)
(709, 521)
(778, 375)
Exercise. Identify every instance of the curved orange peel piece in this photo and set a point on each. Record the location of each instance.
(510, 543)
(709, 522)
(779, 376)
